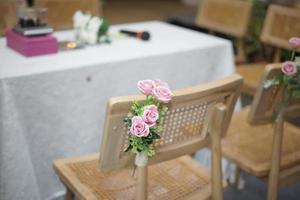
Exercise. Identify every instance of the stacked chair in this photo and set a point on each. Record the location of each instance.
(260, 142)
(60, 12)
(198, 117)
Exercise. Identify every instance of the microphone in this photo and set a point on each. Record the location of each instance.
(143, 35)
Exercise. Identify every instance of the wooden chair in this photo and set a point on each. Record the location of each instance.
(197, 116)
(260, 148)
(227, 17)
(8, 15)
(281, 23)
(60, 12)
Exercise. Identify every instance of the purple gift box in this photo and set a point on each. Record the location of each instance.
(31, 46)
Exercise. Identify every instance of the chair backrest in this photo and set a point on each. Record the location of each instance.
(8, 15)
(60, 12)
(185, 125)
(267, 99)
(224, 16)
(230, 17)
(281, 23)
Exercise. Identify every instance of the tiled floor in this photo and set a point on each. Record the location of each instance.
(256, 189)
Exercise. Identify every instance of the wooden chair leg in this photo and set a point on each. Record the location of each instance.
(69, 194)
(273, 181)
(215, 130)
(237, 177)
(141, 183)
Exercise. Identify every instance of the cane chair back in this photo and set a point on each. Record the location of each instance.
(226, 17)
(268, 98)
(60, 12)
(8, 15)
(267, 132)
(185, 125)
(280, 25)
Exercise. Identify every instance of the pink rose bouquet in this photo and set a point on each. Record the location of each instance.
(144, 121)
(291, 71)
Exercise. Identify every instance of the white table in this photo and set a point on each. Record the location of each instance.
(53, 106)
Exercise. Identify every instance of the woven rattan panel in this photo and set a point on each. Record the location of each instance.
(223, 14)
(168, 180)
(285, 27)
(176, 121)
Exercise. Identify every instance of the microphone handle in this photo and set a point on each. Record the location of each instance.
(130, 33)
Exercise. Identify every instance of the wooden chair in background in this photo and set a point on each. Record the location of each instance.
(259, 148)
(197, 116)
(8, 15)
(281, 23)
(60, 12)
(226, 17)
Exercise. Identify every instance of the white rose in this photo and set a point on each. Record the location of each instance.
(84, 35)
(77, 15)
(92, 38)
(77, 19)
(94, 24)
(81, 20)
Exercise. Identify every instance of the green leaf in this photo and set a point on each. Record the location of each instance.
(293, 86)
(150, 152)
(296, 93)
(276, 80)
(103, 28)
(286, 79)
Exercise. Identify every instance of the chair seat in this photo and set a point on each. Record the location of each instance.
(252, 74)
(181, 178)
(250, 146)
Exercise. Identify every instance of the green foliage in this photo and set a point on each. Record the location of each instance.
(102, 32)
(139, 144)
(291, 82)
(103, 28)
(253, 45)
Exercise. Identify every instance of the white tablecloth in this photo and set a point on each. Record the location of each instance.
(53, 106)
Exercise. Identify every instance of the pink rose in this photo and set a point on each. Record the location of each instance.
(162, 94)
(138, 127)
(289, 68)
(146, 86)
(295, 42)
(150, 115)
(158, 82)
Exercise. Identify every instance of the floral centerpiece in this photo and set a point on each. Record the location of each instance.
(90, 29)
(144, 121)
(290, 78)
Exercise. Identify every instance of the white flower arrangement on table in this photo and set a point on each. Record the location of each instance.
(90, 29)
(144, 121)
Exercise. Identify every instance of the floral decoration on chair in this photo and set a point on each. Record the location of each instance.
(144, 120)
(291, 71)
